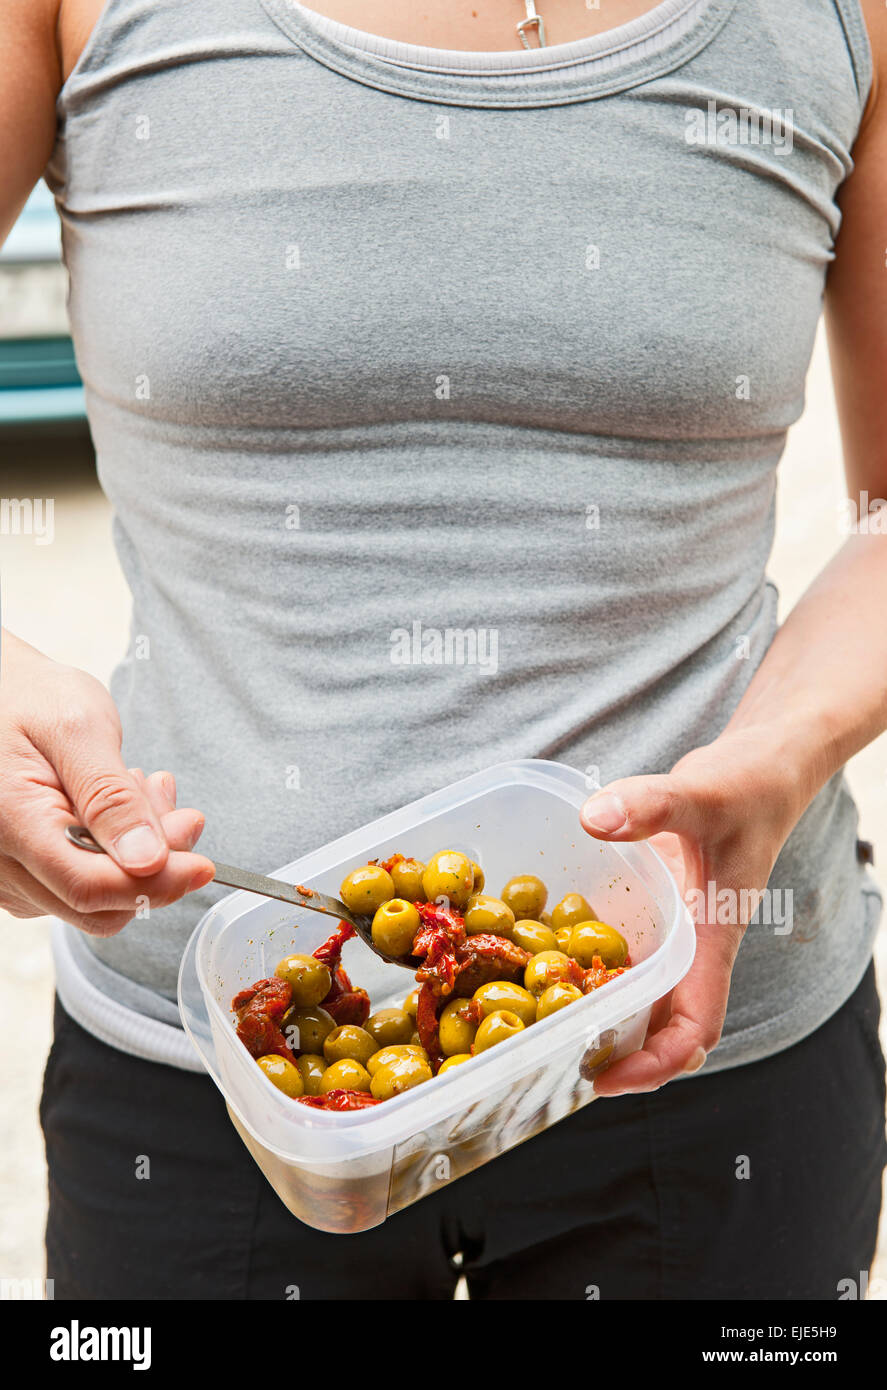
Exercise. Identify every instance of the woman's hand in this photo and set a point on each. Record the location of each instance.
(60, 762)
(720, 816)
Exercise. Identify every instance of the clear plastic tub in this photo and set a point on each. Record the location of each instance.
(346, 1172)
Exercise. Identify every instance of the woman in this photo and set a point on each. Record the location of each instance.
(506, 338)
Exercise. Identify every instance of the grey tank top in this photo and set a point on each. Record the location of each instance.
(384, 344)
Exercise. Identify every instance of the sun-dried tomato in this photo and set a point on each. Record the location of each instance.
(340, 1100)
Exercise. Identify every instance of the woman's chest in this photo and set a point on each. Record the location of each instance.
(582, 266)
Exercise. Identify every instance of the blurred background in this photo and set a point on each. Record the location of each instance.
(76, 609)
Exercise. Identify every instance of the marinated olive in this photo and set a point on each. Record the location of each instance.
(502, 995)
(562, 936)
(391, 1054)
(390, 1026)
(282, 1074)
(399, 1075)
(311, 1067)
(533, 937)
(526, 896)
(496, 1028)
(456, 1032)
(411, 1004)
(592, 939)
(346, 1075)
(406, 875)
(366, 889)
(349, 1041)
(415, 1039)
(449, 875)
(479, 877)
(570, 911)
(308, 978)
(306, 1030)
(546, 969)
(556, 997)
(394, 927)
(596, 1059)
(455, 1061)
(488, 914)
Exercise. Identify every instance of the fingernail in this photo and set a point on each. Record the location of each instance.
(137, 846)
(605, 812)
(697, 1060)
(195, 832)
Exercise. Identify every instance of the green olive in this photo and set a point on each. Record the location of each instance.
(406, 875)
(306, 1030)
(449, 875)
(484, 913)
(591, 939)
(390, 1026)
(394, 927)
(562, 936)
(595, 1060)
(366, 889)
(501, 995)
(282, 1074)
(570, 911)
(526, 895)
(545, 919)
(400, 1075)
(309, 979)
(455, 1061)
(349, 1041)
(533, 937)
(345, 1075)
(496, 1028)
(556, 997)
(391, 1054)
(479, 877)
(455, 1032)
(546, 969)
(311, 1067)
(411, 1004)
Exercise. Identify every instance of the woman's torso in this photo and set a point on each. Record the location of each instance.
(378, 353)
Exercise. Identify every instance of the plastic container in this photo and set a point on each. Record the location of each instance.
(345, 1172)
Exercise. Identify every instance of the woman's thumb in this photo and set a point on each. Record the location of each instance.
(112, 803)
(637, 807)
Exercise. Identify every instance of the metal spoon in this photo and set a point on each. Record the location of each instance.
(273, 888)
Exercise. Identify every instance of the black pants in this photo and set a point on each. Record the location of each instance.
(763, 1182)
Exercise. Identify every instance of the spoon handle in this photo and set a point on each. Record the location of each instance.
(243, 878)
(274, 888)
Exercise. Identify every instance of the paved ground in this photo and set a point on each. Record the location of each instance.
(69, 600)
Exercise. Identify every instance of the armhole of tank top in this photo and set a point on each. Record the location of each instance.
(94, 49)
(857, 38)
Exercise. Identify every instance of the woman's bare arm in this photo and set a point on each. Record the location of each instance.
(29, 61)
(724, 811)
(60, 734)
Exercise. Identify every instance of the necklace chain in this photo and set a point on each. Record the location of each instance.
(532, 21)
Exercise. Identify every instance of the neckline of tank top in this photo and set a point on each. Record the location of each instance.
(655, 43)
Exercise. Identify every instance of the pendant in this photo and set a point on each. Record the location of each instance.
(532, 20)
